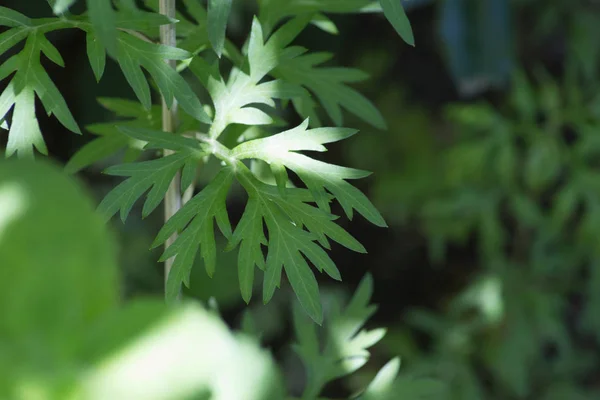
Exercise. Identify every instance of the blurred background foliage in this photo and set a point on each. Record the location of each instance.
(488, 175)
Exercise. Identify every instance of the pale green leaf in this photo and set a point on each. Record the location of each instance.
(325, 24)
(346, 343)
(24, 129)
(29, 80)
(233, 100)
(264, 57)
(381, 385)
(317, 175)
(202, 357)
(61, 6)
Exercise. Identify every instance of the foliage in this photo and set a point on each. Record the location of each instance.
(345, 349)
(70, 339)
(509, 181)
(528, 227)
(295, 228)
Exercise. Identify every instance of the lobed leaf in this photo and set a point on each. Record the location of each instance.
(135, 54)
(317, 175)
(235, 99)
(111, 140)
(156, 174)
(285, 216)
(194, 221)
(329, 86)
(30, 79)
(346, 343)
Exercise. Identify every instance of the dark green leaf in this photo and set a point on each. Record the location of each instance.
(394, 12)
(218, 14)
(103, 19)
(96, 54)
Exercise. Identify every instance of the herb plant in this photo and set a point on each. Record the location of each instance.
(287, 223)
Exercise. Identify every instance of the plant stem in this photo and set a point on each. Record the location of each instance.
(169, 121)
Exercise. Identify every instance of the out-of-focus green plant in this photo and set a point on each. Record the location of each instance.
(517, 179)
(64, 336)
(522, 180)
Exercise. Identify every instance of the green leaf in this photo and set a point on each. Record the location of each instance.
(194, 221)
(325, 24)
(273, 11)
(103, 19)
(264, 57)
(61, 6)
(250, 233)
(138, 20)
(394, 12)
(12, 18)
(156, 174)
(285, 216)
(10, 38)
(51, 243)
(287, 243)
(96, 54)
(317, 175)
(233, 101)
(29, 80)
(382, 383)
(75, 323)
(204, 357)
(134, 53)
(345, 342)
(111, 140)
(329, 84)
(218, 14)
(163, 140)
(290, 65)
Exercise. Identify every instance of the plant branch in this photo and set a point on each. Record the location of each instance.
(169, 120)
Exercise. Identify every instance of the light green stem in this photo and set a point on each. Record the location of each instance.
(173, 200)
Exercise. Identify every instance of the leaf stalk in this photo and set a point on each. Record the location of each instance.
(173, 198)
